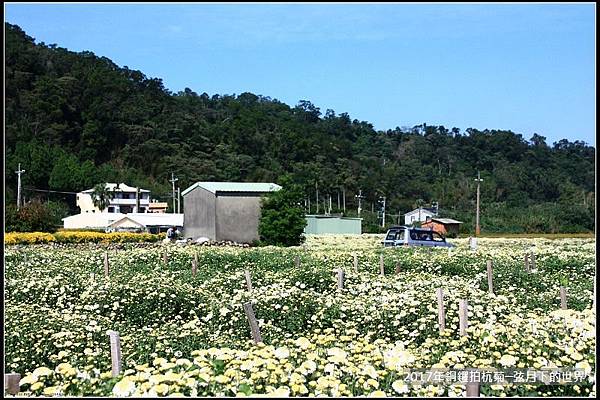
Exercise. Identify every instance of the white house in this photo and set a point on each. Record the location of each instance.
(146, 222)
(418, 215)
(124, 200)
(111, 222)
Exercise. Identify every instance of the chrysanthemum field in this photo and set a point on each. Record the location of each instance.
(188, 335)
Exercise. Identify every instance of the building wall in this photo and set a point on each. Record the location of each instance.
(414, 217)
(237, 217)
(332, 225)
(90, 220)
(199, 210)
(84, 202)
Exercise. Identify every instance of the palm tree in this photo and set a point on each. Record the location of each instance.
(101, 196)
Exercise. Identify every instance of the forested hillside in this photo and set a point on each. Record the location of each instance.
(75, 119)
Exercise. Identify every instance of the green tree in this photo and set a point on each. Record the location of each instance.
(101, 196)
(282, 219)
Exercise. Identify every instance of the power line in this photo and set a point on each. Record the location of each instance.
(48, 191)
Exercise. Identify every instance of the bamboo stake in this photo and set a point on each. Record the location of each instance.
(563, 298)
(441, 313)
(106, 265)
(248, 280)
(195, 265)
(340, 279)
(462, 316)
(254, 330)
(11, 383)
(490, 277)
(115, 352)
(472, 387)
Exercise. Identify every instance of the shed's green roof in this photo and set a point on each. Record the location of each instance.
(215, 187)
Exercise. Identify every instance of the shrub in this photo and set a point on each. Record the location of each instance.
(282, 219)
(35, 216)
(28, 237)
(78, 237)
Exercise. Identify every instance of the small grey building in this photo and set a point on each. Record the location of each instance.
(224, 210)
(320, 224)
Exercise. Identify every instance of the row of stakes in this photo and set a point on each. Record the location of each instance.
(11, 380)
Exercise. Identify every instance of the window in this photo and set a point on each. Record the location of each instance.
(391, 235)
(437, 237)
(400, 235)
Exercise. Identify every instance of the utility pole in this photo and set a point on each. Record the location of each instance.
(344, 198)
(317, 187)
(359, 196)
(19, 172)
(178, 200)
(477, 230)
(173, 180)
(329, 204)
(383, 214)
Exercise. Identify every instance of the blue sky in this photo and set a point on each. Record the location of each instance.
(528, 68)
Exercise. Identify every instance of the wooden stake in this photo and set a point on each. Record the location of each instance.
(115, 352)
(441, 313)
(527, 262)
(532, 260)
(340, 279)
(195, 265)
(248, 281)
(381, 269)
(297, 261)
(563, 298)
(462, 316)
(397, 268)
(166, 257)
(252, 322)
(106, 265)
(490, 277)
(355, 262)
(11, 383)
(472, 388)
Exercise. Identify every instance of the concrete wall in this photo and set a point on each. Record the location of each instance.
(85, 203)
(335, 225)
(199, 209)
(237, 216)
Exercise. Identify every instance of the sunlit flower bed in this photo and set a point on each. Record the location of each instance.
(188, 335)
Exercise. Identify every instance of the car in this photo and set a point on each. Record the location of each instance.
(410, 236)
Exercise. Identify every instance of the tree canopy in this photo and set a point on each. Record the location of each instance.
(74, 119)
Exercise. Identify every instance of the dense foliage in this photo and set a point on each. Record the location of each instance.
(282, 218)
(79, 237)
(35, 216)
(75, 119)
(188, 334)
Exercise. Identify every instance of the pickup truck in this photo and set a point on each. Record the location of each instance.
(409, 236)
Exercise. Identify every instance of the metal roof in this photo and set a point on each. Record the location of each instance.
(446, 220)
(153, 219)
(423, 210)
(122, 188)
(215, 187)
